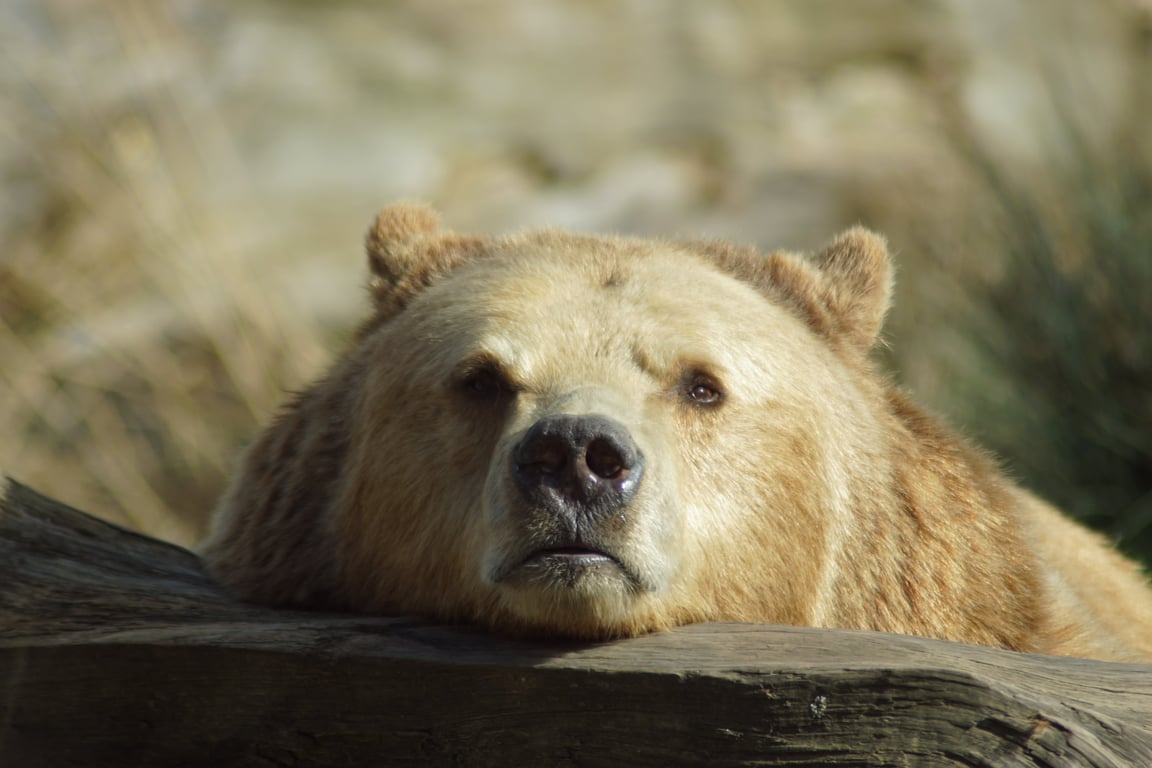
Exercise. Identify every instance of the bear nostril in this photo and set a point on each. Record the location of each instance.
(546, 455)
(604, 459)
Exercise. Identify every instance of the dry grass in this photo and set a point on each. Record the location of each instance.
(139, 350)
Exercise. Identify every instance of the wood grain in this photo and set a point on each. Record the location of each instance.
(117, 650)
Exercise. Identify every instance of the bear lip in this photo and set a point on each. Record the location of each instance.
(584, 555)
(557, 559)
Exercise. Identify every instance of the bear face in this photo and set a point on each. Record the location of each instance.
(532, 423)
(592, 437)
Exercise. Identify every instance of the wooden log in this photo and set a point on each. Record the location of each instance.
(117, 650)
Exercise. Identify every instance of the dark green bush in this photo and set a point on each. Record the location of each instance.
(1064, 330)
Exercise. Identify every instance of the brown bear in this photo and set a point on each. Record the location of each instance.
(593, 437)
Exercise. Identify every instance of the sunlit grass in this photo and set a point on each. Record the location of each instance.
(140, 350)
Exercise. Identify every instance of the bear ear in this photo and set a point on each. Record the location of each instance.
(407, 250)
(856, 285)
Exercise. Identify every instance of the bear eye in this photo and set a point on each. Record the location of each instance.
(485, 382)
(703, 390)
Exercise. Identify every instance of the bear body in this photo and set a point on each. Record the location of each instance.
(593, 437)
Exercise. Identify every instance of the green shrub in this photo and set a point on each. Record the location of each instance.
(1068, 324)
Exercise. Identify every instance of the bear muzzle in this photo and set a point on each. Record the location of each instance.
(575, 476)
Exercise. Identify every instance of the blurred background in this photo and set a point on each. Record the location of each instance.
(185, 186)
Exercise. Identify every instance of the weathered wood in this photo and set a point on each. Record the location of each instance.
(117, 650)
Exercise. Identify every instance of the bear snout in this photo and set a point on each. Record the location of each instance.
(578, 467)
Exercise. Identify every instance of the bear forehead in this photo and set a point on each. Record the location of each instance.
(597, 270)
(531, 300)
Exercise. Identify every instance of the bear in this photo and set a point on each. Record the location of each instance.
(589, 437)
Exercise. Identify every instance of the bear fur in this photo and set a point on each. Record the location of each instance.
(593, 437)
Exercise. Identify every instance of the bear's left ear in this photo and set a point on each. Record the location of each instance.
(407, 250)
(842, 292)
(855, 285)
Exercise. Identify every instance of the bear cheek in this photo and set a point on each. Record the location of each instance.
(407, 540)
(751, 546)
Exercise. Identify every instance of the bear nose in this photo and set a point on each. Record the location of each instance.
(589, 461)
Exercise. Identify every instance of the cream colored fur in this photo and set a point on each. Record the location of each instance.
(813, 493)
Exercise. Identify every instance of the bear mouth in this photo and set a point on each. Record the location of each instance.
(571, 556)
(568, 567)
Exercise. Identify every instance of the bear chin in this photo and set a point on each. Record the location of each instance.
(603, 612)
(573, 592)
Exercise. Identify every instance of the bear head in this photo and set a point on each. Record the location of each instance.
(574, 435)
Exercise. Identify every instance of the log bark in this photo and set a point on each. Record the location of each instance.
(118, 650)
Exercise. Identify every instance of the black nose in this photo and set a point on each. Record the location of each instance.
(584, 463)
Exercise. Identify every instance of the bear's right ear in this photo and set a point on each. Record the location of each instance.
(407, 251)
